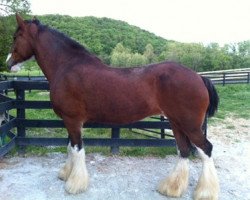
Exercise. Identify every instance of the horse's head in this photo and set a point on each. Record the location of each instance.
(23, 41)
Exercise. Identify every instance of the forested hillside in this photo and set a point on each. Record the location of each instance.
(120, 44)
(101, 35)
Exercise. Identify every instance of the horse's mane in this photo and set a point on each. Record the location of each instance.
(74, 45)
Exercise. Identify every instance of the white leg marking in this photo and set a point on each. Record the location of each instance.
(176, 184)
(8, 57)
(67, 168)
(78, 179)
(208, 184)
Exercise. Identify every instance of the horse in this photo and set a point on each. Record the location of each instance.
(83, 88)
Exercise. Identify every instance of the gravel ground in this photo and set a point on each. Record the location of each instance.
(117, 178)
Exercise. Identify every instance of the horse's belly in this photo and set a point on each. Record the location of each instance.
(123, 114)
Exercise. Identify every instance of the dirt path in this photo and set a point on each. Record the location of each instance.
(117, 178)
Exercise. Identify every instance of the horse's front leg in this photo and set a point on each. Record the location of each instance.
(67, 168)
(74, 171)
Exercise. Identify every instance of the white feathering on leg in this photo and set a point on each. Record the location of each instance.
(67, 168)
(176, 184)
(78, 179)
(208, 184)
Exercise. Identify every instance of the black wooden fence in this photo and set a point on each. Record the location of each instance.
(9, 139)
(217, 77)
(225, 78)
(20, 84)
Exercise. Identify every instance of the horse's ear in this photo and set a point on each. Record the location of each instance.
(35, 20)
(33, 26)
(20, 21)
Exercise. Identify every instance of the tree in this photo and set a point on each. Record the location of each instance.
(244, 53)
(120, 56)
(244, 48)
(171, 52)
(189, 54)
(123, 57)
(137, 60)
(217, 58)
(8, 7)
(149, 53)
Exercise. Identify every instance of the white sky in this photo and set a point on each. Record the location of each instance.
(221, 21)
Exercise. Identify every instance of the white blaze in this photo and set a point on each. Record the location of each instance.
(8, 57)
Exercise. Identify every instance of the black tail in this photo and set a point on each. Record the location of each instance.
(213, 97)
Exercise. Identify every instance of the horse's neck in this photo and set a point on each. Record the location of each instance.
(46, 56)
(52, 57)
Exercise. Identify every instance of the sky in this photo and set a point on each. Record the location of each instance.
(199, 21)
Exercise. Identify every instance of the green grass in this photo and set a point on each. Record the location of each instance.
(24, 72)
(234, 101)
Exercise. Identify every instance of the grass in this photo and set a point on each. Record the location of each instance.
(24, 72)
(234, 101)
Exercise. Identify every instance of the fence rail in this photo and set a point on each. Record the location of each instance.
(218, 77)
(228, 77)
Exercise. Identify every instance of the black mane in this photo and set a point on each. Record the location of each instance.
(66, 39)
(74, 45)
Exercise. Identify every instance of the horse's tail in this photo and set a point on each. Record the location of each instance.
(213, 97)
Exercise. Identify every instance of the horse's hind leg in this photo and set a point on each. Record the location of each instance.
(74, 172)
(176, 183)
(208, 184)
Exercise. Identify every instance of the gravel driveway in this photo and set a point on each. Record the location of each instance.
(117, 178)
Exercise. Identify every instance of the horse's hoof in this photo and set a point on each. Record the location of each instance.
(74, 185)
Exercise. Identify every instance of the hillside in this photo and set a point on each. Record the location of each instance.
(101, 35)
(121, 44)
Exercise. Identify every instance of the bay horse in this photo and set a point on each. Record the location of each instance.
(83, 88)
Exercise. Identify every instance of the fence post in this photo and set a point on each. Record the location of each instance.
(248, 77)
(162, 130)
(115, 134)
(20, 96)
(224, 79)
